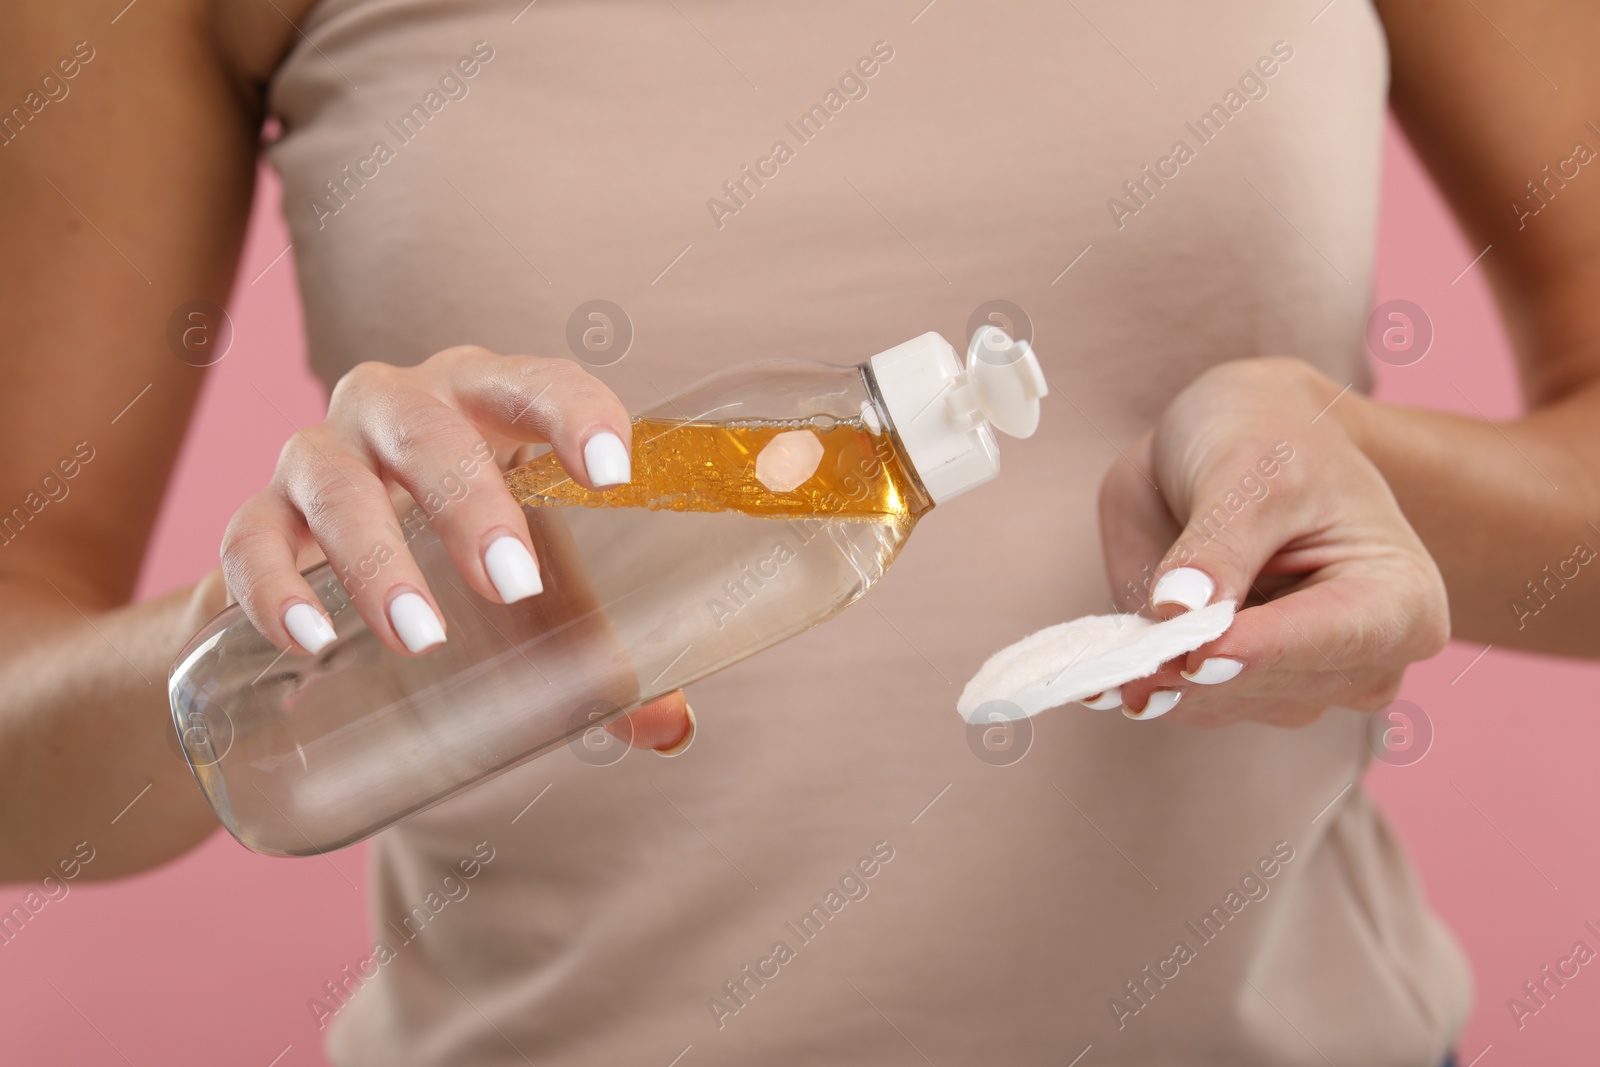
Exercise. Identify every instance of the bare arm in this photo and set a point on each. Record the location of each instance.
(1486, 122)
(1394, 526)
(120, 200)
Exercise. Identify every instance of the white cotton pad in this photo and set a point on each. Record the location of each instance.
(1078, 659)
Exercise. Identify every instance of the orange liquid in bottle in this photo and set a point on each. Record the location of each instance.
(712, 466)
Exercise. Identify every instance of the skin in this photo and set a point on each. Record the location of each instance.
(174, 95)
(1343, 541)
(1383, 510)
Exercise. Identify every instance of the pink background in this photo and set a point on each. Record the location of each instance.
(212, 958)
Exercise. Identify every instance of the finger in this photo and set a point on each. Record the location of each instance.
(1237, 522)
(1289, 647)
(528, 398)
(683, 743)
(347, 509)
(663, 724)
(445, 464)
(1136, 526)
(1154, 696)
(258, 563)
(1342, 639)
(1349, 636)
(1158, 694)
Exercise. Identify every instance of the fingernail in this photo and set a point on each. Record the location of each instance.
(309, 627)
(1185, 586)
(1111, 698)
(607, 460)
(1161, 701)
(686, 740)
(1215, 670)
(512, 569)
(415, 622)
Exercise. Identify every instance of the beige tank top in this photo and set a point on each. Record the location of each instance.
(839, 871)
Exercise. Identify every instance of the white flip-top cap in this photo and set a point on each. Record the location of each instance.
(942, 412)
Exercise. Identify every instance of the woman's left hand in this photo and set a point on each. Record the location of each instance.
(1249, 489)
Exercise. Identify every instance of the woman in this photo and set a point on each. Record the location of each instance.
(1182, 199)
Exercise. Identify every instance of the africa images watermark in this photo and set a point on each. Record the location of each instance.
(739, 591)
(1543, 190)
(453, 888)
(54, 487)
(1253, 887)
(341, 191)
(851, 86)
(52, 89)
(1208, 524)
(1543, 590)
(1538, 992)
(740, 991)
(53, 887)
(1252, 85)
(452, 487)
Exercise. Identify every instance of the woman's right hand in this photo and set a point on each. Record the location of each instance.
(436, 426)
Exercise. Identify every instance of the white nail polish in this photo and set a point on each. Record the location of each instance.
(1161, 701)
(415, 622)
(309, 628)
(1215, 670)
(512, 569)
(1110, 699)
(1184, 586)
(607, 460)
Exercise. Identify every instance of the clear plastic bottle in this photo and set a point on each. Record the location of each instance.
(765, 499)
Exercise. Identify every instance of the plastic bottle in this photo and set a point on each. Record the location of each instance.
(765, 499)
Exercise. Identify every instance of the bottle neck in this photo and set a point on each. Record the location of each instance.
(945, 447)
(919, 500)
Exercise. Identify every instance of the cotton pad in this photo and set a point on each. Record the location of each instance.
(1078, 659)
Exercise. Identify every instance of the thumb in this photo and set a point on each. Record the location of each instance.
(1242, 514)
(665, 724)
